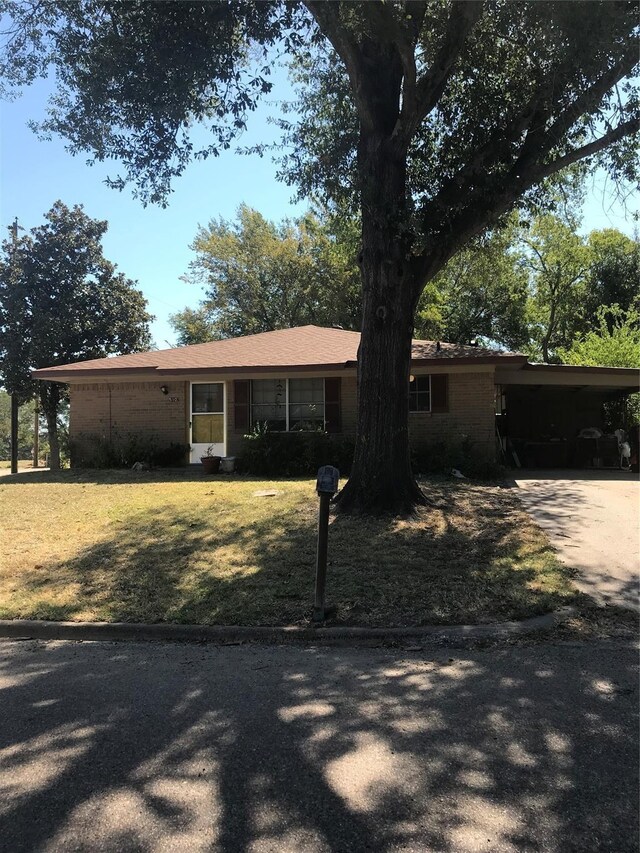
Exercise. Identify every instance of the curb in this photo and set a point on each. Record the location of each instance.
(109, 631)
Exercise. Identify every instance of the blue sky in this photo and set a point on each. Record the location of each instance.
(150, 244)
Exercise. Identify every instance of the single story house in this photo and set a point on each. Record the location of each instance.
(305, 378)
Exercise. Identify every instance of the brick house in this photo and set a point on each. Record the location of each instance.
(305, 378)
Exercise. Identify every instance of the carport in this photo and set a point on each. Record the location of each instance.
(543, 409)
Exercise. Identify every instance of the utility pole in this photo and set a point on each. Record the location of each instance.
(14, 397)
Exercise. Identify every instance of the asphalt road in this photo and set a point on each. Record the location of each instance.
(169, 747)
(593, 520)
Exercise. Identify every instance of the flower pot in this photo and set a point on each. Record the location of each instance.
(211, 464)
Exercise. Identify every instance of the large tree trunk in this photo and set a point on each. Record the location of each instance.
(50, 399)
(381, 478)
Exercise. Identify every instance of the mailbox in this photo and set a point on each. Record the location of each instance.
(328, 478)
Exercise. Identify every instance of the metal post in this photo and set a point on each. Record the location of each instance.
(36, 434)
(321, 557)
(14, 434)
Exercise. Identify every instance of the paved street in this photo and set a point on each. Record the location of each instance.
(152, 747)
(593, 520)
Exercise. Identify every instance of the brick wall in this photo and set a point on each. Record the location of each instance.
(471, 413)
(109, 410)
(140, 407)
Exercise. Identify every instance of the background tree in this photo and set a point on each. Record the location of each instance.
(25, 428)
(480, 294)
(613, 275)
(61, 301)
(558, 261)
(259, 276)
(462, 108)
(614, 342)
(194, 325)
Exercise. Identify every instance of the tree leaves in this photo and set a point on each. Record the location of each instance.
(61, 300)
(261, 276)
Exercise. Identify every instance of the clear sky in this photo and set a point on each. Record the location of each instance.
(150, 244)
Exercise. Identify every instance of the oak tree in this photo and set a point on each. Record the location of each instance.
(460, 107)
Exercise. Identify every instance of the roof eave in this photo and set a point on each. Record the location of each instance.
(582, 368)
(79, 374)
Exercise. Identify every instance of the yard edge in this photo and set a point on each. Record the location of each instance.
(33, 629)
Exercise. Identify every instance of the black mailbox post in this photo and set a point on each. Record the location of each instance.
(326, 487)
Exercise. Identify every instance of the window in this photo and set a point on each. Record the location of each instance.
(306, 404)
(269, 403)
(420, 394)
(288, 404)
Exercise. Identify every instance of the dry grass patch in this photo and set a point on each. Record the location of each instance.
(179, 547)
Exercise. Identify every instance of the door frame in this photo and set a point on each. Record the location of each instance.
(224, 415)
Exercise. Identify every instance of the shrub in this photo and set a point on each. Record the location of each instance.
(439, 457)
(123, 451)
(293, 454)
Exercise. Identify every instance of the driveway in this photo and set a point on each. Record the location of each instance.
(124, 748)
(593, 520)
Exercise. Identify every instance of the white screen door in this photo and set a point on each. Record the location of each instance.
(207, 419)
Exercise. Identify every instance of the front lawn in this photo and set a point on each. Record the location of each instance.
(179, 547)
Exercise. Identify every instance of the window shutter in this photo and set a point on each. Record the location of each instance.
(241, 417)
(439, 392)
(332, 404)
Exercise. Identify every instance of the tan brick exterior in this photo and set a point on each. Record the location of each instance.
(111, 409)
(471, 413)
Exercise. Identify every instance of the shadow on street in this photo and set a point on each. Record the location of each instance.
(149, 747)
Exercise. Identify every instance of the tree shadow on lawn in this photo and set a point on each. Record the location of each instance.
(124, 476)
(478, 559)
(145, 747)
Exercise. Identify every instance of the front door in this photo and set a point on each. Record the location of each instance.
(207, 419)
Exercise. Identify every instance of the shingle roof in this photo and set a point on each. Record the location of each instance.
(301, 347)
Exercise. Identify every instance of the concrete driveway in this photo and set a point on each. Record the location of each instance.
(151, 748)
(593, 520)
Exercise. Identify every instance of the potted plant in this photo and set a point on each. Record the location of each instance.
(210, 463)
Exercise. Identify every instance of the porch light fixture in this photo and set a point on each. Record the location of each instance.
(164, 389)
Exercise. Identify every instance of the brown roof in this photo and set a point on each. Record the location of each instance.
(306, 347)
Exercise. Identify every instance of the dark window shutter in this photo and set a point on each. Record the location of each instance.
(332, 404)
(241, 403)
(439, 392)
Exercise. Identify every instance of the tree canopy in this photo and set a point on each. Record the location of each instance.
(615, 342)
(259, 276)
(482, 293)
(61, 301)
(460, 109)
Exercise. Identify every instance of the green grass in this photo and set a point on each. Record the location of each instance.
(179, 547)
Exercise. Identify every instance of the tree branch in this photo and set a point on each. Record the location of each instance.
(488, 207)
(592, 96)
(422, 95)
(327, 17)
(627, 128)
